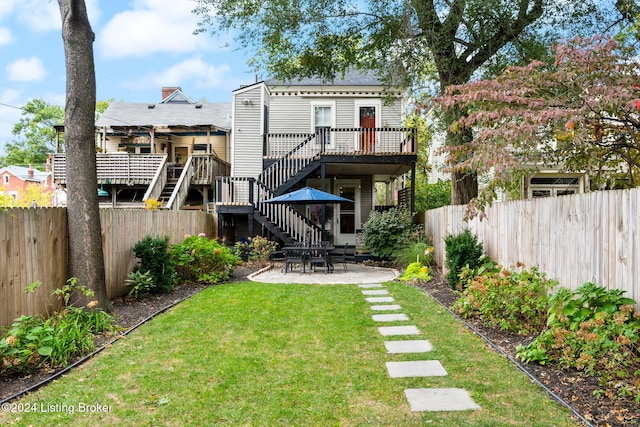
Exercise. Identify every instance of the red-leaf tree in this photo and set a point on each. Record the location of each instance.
(578, 114)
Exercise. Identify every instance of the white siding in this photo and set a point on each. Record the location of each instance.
(248, 108)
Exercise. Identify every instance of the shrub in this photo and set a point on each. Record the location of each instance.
(513, 301)
(593, 330)
(384, 232)
(141, 283)
(152, 204)
(155, 258)
(461, 250)
(255, 249)
(32, 342)
(206, 260)
(415, 247)
(432, 196)
(416, 272)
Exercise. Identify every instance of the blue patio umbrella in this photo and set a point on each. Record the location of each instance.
(307, 196)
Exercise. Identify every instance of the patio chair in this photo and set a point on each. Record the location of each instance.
(292, 257)
(319, 256)
(337, 256)
(350, 254)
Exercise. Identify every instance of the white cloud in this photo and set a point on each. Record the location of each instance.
(191, 72)
(6, 8)
(6, 37)
(26, 70)
(152, 26)
(39, 15)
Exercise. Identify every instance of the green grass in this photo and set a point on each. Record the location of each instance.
(251, 354)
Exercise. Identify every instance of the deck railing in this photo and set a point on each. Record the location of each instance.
(182, 186)
(242, 191)
(115, 168)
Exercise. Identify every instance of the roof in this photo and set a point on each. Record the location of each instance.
(23, 173)
(123, 114)
(350, 78)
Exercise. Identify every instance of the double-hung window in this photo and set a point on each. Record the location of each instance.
(323, 121)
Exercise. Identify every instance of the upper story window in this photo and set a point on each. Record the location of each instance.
(323, 121)
(5, 179)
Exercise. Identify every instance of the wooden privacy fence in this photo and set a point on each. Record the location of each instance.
(33, 246)
(592, 237)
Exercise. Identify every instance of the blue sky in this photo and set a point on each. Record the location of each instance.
(140, 46)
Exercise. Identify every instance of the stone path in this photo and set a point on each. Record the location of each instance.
(420, 399)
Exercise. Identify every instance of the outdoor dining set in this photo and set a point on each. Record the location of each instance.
(315, 256)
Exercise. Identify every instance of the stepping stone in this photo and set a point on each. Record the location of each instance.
(380, 299)
(408, 346)
(376, 292)
(371, 285)
(398, 330)
(416, 368)
(387, 307)
(440, 399)
(389, 317)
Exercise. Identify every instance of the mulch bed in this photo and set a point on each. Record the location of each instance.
(570, 386)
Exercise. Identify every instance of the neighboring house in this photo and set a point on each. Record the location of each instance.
(340, 137)
(169, 151)
(15, 179)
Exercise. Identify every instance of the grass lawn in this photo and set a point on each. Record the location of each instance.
(252, 354)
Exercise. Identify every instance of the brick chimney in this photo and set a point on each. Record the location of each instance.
(30, 172)
(168, 90)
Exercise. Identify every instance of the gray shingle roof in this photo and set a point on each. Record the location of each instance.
(122, 114)
(351, 78)
(23, 173)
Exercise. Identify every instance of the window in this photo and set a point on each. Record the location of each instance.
(323, 122)
(5, 179)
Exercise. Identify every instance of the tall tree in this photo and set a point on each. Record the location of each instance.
(35, 135)
(86, 261)
(579, 114)
(409, 41)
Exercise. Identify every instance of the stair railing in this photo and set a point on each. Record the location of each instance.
(179, 194)
(158, 182)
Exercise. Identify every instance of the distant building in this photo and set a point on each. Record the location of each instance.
(15, 179)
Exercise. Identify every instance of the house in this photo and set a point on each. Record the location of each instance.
(15, 179)
(169, 151)
(345, 137)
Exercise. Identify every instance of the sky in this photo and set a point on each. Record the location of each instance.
(140, 46)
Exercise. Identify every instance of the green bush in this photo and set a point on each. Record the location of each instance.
(141, 283)
(205, 260)
(155, 258)
(255, 249)
(462, 250)
(416, 272)
(32, 342)
(384, 232)
(415, 247)
(593, 330)
(432, 196)
(513, 301)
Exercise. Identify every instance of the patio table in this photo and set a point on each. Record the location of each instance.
(314, 254)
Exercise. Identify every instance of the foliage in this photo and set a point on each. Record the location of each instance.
(35, 134)
(155, 258)
(432, 196)
(462, 250)
(141, 283)
(256, 249)
(205, 259)
(541, 114)
(415, 247)
(152, 204)
(385, 231)
(410, 44)
(513, 301)
(32, 342)
(416, 272)
(32, 192)
(594, 330)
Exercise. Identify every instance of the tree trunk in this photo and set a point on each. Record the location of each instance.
(464, 183)
(86, 262)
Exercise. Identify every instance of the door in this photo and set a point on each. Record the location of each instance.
(347, 215)
(368, 124)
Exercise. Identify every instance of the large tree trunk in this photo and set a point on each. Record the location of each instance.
(464, 183)
(86, 262)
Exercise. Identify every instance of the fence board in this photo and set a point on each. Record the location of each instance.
(574, 239)
(33, 246)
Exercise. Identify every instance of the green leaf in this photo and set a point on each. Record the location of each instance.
(45, 351)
